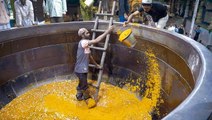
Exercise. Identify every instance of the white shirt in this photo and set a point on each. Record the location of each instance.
(24, 14)
(172, 29)
(4, 18)
(56, 8)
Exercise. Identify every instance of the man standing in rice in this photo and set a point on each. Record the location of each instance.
(83, 58)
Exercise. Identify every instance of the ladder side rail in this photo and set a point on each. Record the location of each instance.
(104, 52)
(108, 35)
(104, 55)
(95, 27)
(113, 8)
(97, 20)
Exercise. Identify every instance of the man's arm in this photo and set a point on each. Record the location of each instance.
(130, 17)
(149, 20)
(98, 39)
(93, 61)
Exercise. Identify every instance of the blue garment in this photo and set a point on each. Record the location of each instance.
(5, 26)
(198, 31)
(123, 9)
(176, 30)
(122, 19)
(7, 6)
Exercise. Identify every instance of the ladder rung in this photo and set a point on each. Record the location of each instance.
(97, 48)
(94, 86)
(96, 30)
(94, 66)
(103, 14)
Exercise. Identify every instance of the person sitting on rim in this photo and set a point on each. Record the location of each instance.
(157, 11)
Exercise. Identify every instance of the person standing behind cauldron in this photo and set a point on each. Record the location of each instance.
(24, 13)
(157, 11)
(39, 7)
(56, 10)
(4, 16)
(123, 10)
(181, 30)
(198, 31)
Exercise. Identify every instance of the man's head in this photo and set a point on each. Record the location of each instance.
(147, 4)
(23, 2)
(84, 33)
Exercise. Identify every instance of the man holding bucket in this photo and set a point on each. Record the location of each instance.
(154, 11)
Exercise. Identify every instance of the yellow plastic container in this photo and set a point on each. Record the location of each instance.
(89, 2)
(127, 38)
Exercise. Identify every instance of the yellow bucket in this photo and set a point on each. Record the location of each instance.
(127, 38)
(89, 2)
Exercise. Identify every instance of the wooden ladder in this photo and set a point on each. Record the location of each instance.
(103, 49)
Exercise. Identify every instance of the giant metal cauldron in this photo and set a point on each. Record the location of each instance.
(36, 55)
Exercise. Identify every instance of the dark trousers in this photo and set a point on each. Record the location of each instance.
(56, 19)
(196, 37)
(83, 84)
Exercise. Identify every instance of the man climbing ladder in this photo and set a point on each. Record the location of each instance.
(83, 54)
